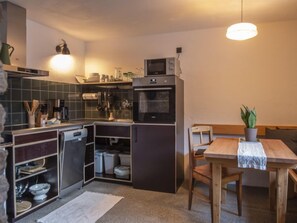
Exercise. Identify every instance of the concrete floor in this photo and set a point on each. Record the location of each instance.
(140, 206)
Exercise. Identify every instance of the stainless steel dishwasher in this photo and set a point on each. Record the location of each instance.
(72, 157)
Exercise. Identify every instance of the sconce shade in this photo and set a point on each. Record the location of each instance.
(62, 48)
(241, 31)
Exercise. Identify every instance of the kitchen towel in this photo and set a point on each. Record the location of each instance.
(86, 208)
(251, 155)
(90, 96)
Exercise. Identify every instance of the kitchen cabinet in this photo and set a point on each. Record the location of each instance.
(113, 141)
(157, 157)
(32, 159)
(89, 166)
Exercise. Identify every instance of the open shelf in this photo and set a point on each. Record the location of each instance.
(27, 176)
(35, 204)
(112, 177)
(108, 83)
(32, 159)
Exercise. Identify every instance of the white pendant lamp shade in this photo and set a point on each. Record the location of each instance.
(241, 31)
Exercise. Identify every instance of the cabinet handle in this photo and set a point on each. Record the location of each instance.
(135, 134)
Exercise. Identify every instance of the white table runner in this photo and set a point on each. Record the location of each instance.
(251, 155)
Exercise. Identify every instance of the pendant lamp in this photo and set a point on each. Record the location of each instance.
(242, 30)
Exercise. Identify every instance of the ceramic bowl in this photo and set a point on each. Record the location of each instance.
(39, 191)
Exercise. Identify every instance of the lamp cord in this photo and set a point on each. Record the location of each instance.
(241, 10)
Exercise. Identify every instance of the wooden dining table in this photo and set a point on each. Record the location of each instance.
(223, 153)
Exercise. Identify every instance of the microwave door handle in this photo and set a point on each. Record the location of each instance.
(153, 89)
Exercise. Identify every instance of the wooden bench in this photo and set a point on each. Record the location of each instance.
(223, 129)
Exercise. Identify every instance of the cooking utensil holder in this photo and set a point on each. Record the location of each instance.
(31, 120)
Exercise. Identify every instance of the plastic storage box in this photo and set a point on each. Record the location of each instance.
(122, 172)
(125, 159)
(111, 160)
(99, 161)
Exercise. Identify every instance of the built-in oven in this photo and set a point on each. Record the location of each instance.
(154, 100)
(157, 133)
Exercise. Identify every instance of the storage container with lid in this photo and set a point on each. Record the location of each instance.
(125, 159)
(99, 161)
(111, 160)
(122, 172)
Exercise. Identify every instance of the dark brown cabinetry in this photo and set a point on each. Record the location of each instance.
(89, 169)
(157, 163)
(32, 159)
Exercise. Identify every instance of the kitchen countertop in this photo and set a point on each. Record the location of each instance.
(72, 124)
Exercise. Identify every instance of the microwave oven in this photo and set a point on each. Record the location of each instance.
(162, 66)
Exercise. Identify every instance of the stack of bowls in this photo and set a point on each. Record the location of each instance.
(39, 191)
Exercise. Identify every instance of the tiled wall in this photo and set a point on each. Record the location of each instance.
(22, 89)
(118, 97)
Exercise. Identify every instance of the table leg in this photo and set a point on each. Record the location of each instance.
(216, 192)
(282, 192)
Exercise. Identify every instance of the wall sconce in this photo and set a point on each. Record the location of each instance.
(63, 61)
(62, 48)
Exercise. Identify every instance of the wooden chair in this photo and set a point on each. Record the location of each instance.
(293, 176)
(202, 172)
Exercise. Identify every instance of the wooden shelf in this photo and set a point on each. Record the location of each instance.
(112, 177)
(26, 176)
(35, 204)
(108, 83)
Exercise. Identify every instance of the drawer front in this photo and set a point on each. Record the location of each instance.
(24, 153)
(114, 131)
(89, 156)
(34, 137)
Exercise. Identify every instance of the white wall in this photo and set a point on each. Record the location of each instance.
(41, 44)
(219, 74)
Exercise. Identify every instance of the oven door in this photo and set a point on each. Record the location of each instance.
(154, 104)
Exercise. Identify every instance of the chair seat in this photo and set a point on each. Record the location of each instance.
(227, 173)
(200, 151)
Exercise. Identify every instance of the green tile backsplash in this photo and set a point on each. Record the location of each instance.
(22, 89)
(117, 95)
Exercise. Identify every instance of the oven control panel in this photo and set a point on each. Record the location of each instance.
(158, 81)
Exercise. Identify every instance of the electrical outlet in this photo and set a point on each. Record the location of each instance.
(178, 50)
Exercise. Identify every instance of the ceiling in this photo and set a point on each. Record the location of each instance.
(91, 20)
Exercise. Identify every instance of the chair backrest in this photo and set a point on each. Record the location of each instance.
(199, 141)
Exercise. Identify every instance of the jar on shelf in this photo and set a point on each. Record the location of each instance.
(118, 73)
